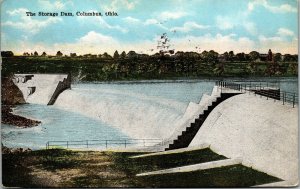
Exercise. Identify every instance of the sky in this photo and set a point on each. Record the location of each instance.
(191, 25)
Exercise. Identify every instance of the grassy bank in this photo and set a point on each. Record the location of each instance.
(64, 168)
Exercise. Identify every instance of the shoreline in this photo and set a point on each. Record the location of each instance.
(15, 120)
(183, 79)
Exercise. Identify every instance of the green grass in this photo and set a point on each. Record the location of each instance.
(65, 168)
(229, 176)
(158, 162)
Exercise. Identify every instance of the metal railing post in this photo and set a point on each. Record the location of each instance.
(283, 98)
(125, 143)
(67, 144)
(87, 144)
(259, 86)
(293, 100)
(106, 144)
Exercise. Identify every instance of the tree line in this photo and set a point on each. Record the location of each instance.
(131, 65)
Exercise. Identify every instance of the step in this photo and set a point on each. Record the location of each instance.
(202, 117)
(210, 108)
(185, 138)
(197, 121)
(206, 112)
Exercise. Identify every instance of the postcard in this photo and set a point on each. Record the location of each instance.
(138, 93)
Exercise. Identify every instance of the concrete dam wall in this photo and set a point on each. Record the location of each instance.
(263, 133)
(42, 88)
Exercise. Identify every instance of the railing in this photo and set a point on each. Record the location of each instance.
(105, 143)
(269, 90)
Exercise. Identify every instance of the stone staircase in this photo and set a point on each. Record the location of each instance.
(186, 136)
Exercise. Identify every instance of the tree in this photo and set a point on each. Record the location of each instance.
(36, 53)
(290, 58)
(73, 54)
(163, 45)
(123, 55)
(44, 54)
(254, 55)
(277, 57)
(116, 55)
(270, 55)
(240, 57)
(59, 53)
(7, 53)
(226, 56)
(106, 56)
(212, 56)
(231, 56)
(132, 54)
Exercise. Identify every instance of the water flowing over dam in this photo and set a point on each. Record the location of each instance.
(136, 113)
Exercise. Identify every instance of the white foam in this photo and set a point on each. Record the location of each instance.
(138, 118)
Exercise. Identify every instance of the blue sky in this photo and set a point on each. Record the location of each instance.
(220, 25)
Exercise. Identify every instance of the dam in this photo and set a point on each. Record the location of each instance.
(42, 88)
(245, 125)
(253, 127)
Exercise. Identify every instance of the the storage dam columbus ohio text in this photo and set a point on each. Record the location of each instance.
(78, 13)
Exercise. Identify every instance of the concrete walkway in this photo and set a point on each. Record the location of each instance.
(200, 147)
(195, 167)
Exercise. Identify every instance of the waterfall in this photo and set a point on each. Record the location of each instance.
(138, 115)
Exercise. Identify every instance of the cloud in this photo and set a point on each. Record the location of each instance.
(131, 20)
(99, 22)
(16, 12)
(155, 22)
(225, 22)
(284, 8)
(96, 43)
(171, 15)
(278, 44)
(54, 5)
(285, 32)
(151, 21)
(222, 43)
(219, 43)
(93, 37)
(116, 5)
(239, 20)
(189, 26)
(250, 27)
(28, 24)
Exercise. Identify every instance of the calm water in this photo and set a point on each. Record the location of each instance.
(112, 111)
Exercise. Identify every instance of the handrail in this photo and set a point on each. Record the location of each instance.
(105, 142)
(263, 90)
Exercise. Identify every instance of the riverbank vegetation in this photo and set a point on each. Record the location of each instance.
(134, 66)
